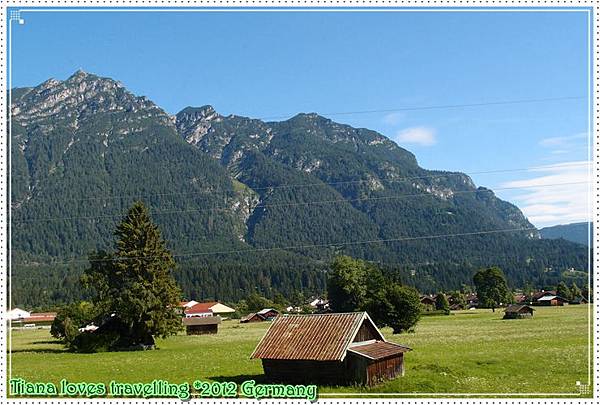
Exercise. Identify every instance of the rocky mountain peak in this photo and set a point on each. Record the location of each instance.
(194, 122)
(79, 75)
(81, 95)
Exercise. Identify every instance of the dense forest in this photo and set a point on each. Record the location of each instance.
(245, 205)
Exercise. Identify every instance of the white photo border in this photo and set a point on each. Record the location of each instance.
(14, 12)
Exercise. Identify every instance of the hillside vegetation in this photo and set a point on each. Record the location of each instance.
(245, 205)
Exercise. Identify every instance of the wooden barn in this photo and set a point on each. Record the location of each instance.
(553, 300)
(201, 325)
(252, 317)
(518, 311)
(267, 314)
(428, 301)
(330, 349)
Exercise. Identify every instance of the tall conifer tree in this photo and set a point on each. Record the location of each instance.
(135, 285)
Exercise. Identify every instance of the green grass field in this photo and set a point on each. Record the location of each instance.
(464, 353)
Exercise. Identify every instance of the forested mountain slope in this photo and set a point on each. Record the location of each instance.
(245, 205)
(576, 232)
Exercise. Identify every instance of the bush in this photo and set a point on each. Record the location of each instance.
(70, 318)
(405, 308)
(441, 304)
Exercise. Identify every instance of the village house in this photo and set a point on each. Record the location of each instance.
(428, 302)
(17, 313)
(334, 348)
(201, 325)
(201, 309)
(552, 300)
(579, 300)
(319, 304)
(534, 298)
(472, 300)
(251, 317)
(267, 314)
(517, 311)
(20, 317)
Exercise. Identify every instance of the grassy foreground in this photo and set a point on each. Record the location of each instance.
(464, 353)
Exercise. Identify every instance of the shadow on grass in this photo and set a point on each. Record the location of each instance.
(47, 342)
(40, 351)
(238, 379)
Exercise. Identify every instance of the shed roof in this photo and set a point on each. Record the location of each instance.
(201, 320)
(517, 308)
(376, 350)
(321, 337)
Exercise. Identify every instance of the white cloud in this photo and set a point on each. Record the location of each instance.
(394, 118)
(416, 135)
(548, 200)
(564, 141)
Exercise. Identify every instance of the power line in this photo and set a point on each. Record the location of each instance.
(322, 184)
(442, 106)
(295, 247)
(322, 202)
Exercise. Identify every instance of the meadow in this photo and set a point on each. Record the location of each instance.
(465, 353)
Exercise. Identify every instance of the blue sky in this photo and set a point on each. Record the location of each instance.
(271, 64)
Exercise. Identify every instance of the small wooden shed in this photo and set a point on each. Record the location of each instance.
(518, 311)
(329, 349)
(201, 325)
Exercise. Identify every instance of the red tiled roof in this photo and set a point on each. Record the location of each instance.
(319, 337)
(378, 350)
(201, 307)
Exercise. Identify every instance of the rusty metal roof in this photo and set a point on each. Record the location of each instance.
(378, 349)
(320, 337)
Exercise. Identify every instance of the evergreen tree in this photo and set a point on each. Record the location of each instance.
(563, 291)
(134, 286)
(441, 303)
(255, 302)
(575, 291)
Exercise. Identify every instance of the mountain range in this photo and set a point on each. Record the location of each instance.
(577, 232)
(245, 205)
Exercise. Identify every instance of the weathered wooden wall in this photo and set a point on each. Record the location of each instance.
(366, 332)
(385, 369)
(353, 370)
(201, 329)
(305, 371)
